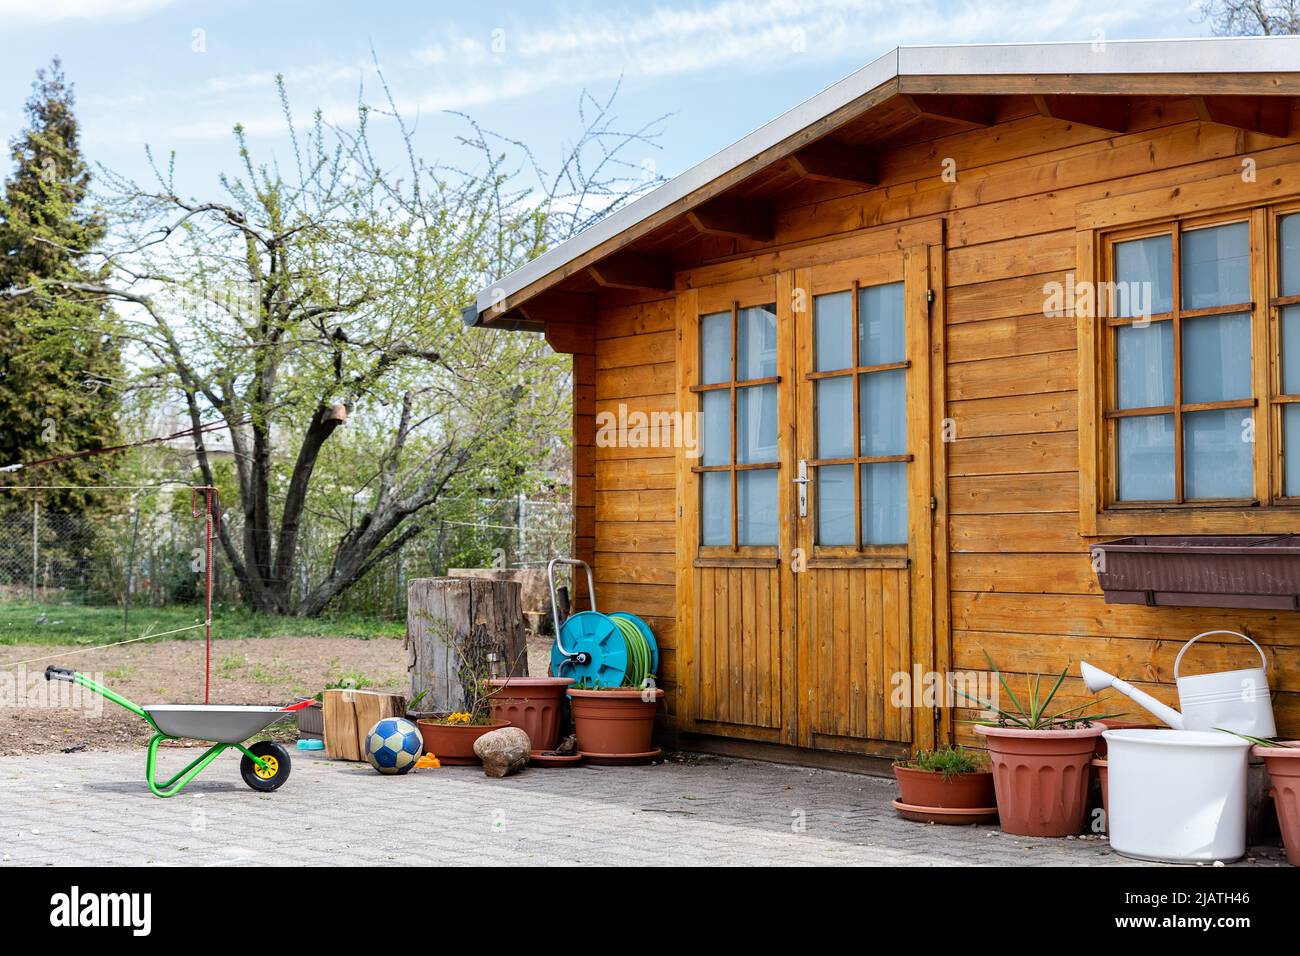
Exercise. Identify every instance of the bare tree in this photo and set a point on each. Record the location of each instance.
(1233, 18)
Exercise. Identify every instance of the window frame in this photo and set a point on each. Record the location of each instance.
(1100, 226)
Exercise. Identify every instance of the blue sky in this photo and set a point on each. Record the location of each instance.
(721, 67)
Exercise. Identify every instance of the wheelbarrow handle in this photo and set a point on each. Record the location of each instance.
(53, 672)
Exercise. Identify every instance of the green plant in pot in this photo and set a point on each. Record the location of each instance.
(615, 722)
(948, 785)
(1040, 757)
(450, 735)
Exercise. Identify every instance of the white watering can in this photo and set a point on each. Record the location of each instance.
(1231, 700)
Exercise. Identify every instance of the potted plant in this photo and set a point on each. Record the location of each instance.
(1282, 760)
(1040, 758)
(947, 785)
(615, 722)
(533, 704)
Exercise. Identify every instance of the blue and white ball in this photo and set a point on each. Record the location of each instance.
(394, 745)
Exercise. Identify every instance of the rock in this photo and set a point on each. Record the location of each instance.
(503, 751)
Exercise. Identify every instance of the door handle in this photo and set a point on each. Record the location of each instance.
(801, 479)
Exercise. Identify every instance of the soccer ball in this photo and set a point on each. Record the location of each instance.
(394, 745)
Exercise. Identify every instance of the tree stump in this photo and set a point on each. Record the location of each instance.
(459, 630)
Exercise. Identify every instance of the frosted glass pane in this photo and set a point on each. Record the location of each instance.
(1216, 358)
(835, 417)
(833, 333)
(715, 507)
(756, 513)
(1291, 349)
(756, 424)
(1289, 254)
(715, 348)
(835, 504)
(883, 413)
(1291, 449)
(1216, 266)
(884, 503)
(756, 329)
(716, 439)
(880, 324)
(1216, 454)
(1145, 356)
(1146, 458)
(1144, 271)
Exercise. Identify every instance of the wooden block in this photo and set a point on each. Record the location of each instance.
(349, 715)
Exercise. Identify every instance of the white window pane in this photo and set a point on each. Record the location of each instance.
(1289, 253)
(1216, 266)
(1144, 272)
(756, 512)
(1146, 458)
(1291, 449)
(1216, 358)
(1216, 454)
(756, 354)
(756, 424)
(835, 504)
(715, 348)
(716, 439)
(884, 503)
(715, 507)
(835, 417)
(882, 412)
(1145, 356)
(833, 332)
(1291, 348)
(880, 324)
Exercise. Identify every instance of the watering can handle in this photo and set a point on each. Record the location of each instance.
(1179, 658)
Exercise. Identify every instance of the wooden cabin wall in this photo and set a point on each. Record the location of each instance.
(1021, 585)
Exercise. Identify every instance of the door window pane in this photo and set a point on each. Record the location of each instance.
(1145, 356)
(715, 507)
(1216, 358)
(755, 424)
(1146, 458)
(884, 503)
(715, 348)
(834, 398)
(756, 348)
(1216, 455)
(880, 324)
(1289, 253)
(835, 505)
(1215, 266)
(1291, 449)
(1144, 272)
(716, 439)
(833, 331)
(756, 506)
(1291, 348)
(882, 413)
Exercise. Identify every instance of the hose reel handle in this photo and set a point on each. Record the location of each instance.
(580, 656)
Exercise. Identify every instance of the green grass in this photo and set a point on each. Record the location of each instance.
(81, 624)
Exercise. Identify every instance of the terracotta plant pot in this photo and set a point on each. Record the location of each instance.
(1283, 765)
(1041, 778)
(453, 744)
(615, 721)
(961, 791)
(533, 704)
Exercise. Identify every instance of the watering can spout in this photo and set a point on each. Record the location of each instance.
(1097, 679)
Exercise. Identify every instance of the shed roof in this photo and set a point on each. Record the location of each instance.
(1262, 66)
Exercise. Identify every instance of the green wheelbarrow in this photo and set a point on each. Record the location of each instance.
(265, 765)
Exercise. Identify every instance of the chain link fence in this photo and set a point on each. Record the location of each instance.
(146, 550)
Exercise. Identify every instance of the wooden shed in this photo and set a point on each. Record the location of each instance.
(924, 339)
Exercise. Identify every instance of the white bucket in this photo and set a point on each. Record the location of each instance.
(1177, 796)
(1232, 700)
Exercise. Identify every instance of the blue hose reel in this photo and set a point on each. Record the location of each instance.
(600, 650)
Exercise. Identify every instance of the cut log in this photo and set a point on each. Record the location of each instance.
(349, 715)
(459, 630)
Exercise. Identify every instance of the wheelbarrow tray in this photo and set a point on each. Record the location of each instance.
(223, 724)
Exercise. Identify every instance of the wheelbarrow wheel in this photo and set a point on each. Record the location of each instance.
(275, 772)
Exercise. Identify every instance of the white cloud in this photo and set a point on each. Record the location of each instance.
(49, 11)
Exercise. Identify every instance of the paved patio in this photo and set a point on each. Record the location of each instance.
(95, 809)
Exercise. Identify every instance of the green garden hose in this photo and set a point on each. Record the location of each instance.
(638, 652)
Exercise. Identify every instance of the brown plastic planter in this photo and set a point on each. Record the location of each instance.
(1041, 778)
(1283, 765)
(1249, 571)
(533, 704)
(616, 721)
(453, 744)
(961, 799)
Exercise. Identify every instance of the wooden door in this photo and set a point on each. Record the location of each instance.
(863, 520)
